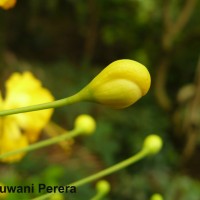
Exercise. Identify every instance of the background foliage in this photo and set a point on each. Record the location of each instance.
(65, 44)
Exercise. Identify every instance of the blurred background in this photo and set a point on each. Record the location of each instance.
(65, 43)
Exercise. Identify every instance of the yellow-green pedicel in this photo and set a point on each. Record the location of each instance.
(119, 85)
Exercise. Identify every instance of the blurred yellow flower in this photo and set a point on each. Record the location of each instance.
(19, 130)
(7, 4)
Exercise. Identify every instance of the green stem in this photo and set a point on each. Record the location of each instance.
(141, 154)
(66, 136)
(62, 102)
(112, 169)
(98, 196)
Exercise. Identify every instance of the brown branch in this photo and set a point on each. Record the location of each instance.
(92, 30)
(191, 123)
(167, 21)
(171, 31)
(183, 17)
(160, 82)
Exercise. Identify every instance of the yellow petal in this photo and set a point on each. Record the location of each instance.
(24, 90)
(122, 93)
(11, 139)
(125, 69)
(7, 4)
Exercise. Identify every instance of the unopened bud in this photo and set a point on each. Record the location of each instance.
(103, 186)
(153, 143)
(119, 85)
(86, 123)
(156, 196)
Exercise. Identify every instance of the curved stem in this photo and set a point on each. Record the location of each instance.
(66, 136)
(141, 154)
(112, 169)
(98, 196)
(62, 102)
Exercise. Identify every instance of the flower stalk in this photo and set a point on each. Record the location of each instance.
(118, 86)
(102, 187)
(147, 149)
(78, 130)
(47, 142)
(62, 102)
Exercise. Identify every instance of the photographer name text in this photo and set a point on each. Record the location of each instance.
(40, 188)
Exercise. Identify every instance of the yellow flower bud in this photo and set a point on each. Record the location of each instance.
(86, 123)
(119, 85)
(7, 4)
(153, 143)
(156, 196)
(103, 186)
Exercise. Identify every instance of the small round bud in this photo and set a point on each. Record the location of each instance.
(103, 186)
(156, 196)
(153, 143)
(86, 123)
